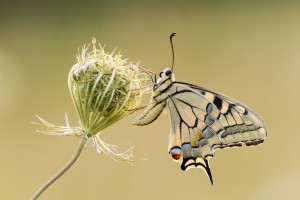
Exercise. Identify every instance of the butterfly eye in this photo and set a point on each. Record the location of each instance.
(160, 74)
(168, 72)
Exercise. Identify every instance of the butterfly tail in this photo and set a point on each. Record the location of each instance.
(208, 172)
(191, 162)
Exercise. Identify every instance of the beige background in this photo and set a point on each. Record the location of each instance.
(249, 51)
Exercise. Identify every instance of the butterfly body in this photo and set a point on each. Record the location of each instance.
(201, 121)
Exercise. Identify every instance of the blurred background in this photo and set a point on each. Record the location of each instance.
(246, 50)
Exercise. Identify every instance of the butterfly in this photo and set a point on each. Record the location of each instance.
(201, 120)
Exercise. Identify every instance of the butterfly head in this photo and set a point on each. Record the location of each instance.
(166, 73)
(165, 76)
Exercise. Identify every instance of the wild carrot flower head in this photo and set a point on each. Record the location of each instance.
(104, 88)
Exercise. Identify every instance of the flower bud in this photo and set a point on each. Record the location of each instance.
(104, 88)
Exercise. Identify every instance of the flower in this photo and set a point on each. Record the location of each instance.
(104, 89)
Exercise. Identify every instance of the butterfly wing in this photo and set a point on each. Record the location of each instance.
(203, 120)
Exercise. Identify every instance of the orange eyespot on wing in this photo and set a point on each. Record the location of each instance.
(176, 153)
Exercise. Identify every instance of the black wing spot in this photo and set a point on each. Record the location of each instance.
(254, 143)
(218, 102)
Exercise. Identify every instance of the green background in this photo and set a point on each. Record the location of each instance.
(249, 50)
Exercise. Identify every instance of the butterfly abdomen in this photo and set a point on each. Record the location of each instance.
(150, 114)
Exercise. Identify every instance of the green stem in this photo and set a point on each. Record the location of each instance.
(63, 170)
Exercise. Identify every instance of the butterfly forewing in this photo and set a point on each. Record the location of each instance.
(240, 118)
(203, 120)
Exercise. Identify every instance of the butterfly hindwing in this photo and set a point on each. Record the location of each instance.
(203, 120)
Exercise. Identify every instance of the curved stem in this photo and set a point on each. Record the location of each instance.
(63, 170)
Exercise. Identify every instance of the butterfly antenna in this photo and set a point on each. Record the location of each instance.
(171, 41)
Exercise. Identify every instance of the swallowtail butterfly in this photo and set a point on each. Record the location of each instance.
(201, 120)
